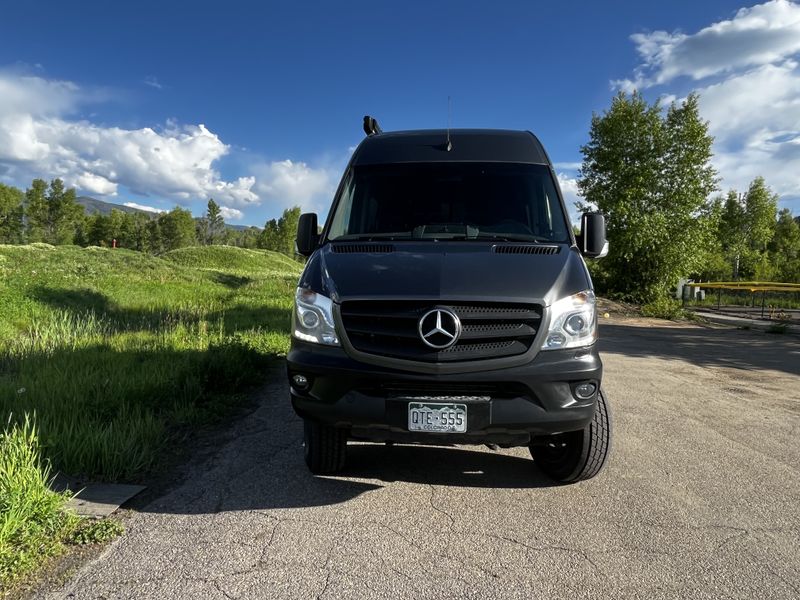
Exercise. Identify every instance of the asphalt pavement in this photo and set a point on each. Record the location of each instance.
(701, 499)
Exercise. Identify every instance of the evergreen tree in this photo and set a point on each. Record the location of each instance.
(214, 222)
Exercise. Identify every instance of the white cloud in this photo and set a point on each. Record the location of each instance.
(37, 138)
(231, 214)
(152, 209)
(152, 82)
(747, 75)
(756, 36)
(291, 183)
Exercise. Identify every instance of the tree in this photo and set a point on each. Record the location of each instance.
(37, 210)
(216, 223)
(53, 212)
(650, 173)
(65, 213)
(784, 248)
(176, 229)
(746, 227)
(280, 235)
(11, 215)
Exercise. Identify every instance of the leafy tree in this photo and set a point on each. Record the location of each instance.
(650, 173)
(176, 229)
(53, 212)
(279, 235)
(37, 210)
(746, 227)
(11, 215)
(139, 231)
(784, 247)
(269, 239)
(287, 225)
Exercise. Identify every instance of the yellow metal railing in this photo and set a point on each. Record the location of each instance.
(750, 286)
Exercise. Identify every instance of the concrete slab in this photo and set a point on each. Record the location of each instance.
(733, 321)
(100, 500)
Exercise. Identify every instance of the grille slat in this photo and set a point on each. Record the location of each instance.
(489, 330)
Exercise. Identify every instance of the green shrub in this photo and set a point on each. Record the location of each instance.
(97, 532)
(663, 308)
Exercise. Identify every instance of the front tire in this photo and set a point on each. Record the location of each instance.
(576, 455)
(325, 447)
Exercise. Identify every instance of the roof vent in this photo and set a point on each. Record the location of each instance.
(526, 249)
(362, 248)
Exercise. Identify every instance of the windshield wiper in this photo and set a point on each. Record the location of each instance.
(506, 237)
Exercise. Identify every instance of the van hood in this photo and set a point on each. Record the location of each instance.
(446, 271)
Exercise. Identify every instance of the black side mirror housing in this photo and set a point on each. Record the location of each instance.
(592, 239)
(307, 236)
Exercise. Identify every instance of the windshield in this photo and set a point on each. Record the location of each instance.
(450, 201)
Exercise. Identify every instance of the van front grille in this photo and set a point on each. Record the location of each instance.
(391, 328)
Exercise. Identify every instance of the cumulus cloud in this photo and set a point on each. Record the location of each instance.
(152, 209)
(746, 72)
(38, 137)
(756, 36)
(295, 183)
(231, 214)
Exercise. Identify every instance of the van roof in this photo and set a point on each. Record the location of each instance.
(468, 145)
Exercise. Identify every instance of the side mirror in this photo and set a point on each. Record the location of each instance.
(592, 239)
(307, 236)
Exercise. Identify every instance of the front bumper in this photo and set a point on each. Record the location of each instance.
(506, 406)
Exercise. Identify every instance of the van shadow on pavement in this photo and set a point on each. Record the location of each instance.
(259, 466)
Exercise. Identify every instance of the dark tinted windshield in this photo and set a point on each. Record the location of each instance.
(450, 201)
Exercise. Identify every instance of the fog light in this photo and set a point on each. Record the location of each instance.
(584, 391)
(300, 381)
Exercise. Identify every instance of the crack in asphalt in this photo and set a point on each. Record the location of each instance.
(580, 552)
(436, 508)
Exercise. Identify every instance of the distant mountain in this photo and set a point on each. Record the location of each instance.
(93, 206)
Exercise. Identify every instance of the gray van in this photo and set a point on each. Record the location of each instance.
(446, 301)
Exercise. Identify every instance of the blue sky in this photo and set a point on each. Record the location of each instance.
(111, 96)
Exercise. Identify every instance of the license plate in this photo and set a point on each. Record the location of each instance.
(437, 417)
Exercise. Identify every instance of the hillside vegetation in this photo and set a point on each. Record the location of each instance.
(114, 352)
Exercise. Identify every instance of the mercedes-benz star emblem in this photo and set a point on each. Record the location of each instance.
(439, 328)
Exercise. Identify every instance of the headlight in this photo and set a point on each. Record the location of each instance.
(573, 322)
(312, 318)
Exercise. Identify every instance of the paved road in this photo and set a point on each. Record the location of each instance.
(701, 499)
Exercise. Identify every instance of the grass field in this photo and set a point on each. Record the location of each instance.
(113, 353)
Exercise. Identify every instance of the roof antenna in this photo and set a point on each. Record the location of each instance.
(371, 126)
(448, 146)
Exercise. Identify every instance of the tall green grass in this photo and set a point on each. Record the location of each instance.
(118, 352)
(32, 520)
